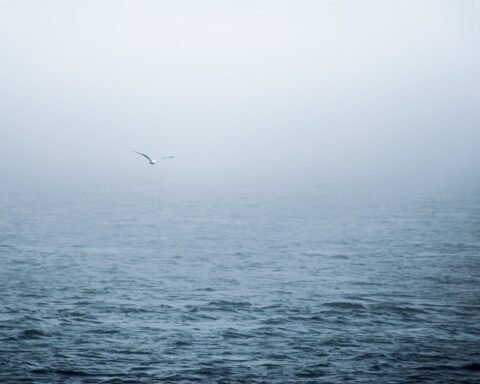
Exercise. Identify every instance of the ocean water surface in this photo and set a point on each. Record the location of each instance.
(156, 283)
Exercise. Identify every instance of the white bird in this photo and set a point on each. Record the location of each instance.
(152, 161)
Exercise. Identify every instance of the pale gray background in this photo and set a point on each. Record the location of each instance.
(241, 91)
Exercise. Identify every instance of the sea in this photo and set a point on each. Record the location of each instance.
(154, 282)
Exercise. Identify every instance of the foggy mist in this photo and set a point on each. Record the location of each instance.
(241, 90)
(317, 218)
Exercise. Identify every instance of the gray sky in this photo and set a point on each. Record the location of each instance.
(241, 89)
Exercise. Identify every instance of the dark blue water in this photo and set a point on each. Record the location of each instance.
(149, 284)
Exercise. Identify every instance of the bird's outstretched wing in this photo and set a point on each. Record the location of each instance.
(168, 157)
(144, 155)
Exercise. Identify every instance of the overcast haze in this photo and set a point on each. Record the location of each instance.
(241, 89)
(320, 221)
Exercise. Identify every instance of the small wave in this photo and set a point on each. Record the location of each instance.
(357, 298)
(234, 334)
(279, 356)
(311, 372)
(182, 343)
(458, 247)
(175, 377)
(70, 372)
(242, 254)
(76, 315)
(344, 305)
(312, 254)
(275, 321)
(475, 367)
(29, 318)
(65, 372)
(213, 371)
(340, 257)
(221, 305)
(133, 352)
(40, 371)
(405, 311)
(366, 283)
(270, 331)
(270, 365)
(133, 309)
(105, 331)
(32, 334)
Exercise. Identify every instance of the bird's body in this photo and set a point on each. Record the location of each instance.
(152, 161)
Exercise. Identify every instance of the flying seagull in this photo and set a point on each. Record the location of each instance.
(152, 161)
